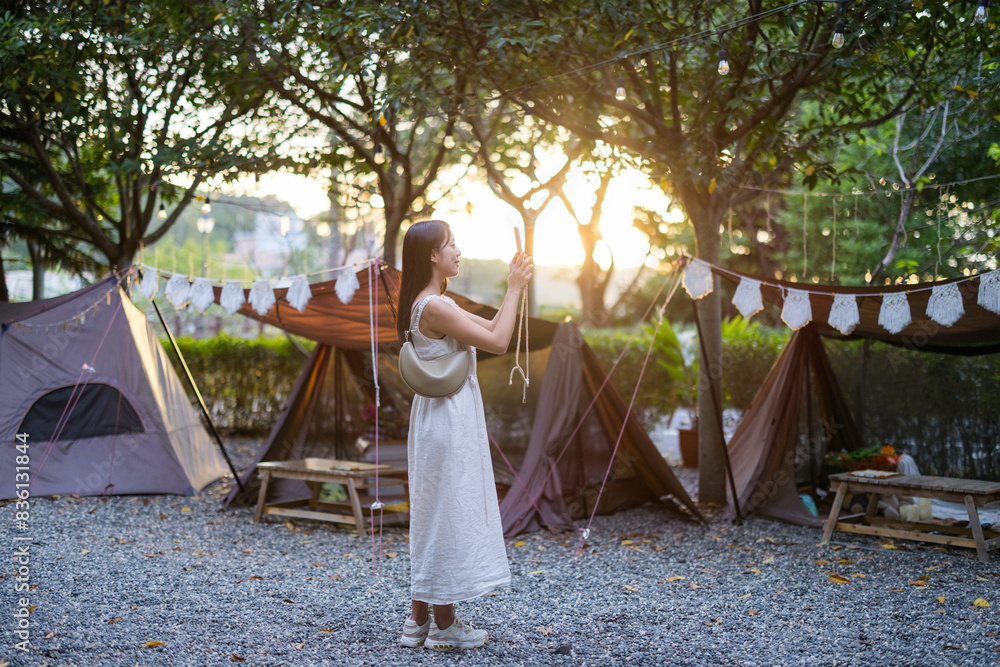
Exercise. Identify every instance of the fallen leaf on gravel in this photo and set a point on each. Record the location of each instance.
(991, 634)
(978, 578)
(153, 644)
(958, 646)
(940, 599)
(895, 590)
(694, 586)
(938, 611)
(299, 647)
(537, 572)
(980, 602)
(150, 555)
(934, 567)
(821, 562)
(846, 561)
(630, 588)
(247, 551)
(519, 544)
(755, 570)
(115, 619)
(162, 515)
(391, 554)
(288, 601)
(627, 542)
(918, 582)
(546, 631)
(326, 630)
(859, 575)
(85, 551)
(745, 596)
(236, 658)
(837, 579)
(52, 634)
(889, 546)
(185, 509)
(676, 577)
(751, 612)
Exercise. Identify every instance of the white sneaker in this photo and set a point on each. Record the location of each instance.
(457, 635)
(413, 634)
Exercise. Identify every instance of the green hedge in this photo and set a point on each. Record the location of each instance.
(244, 381)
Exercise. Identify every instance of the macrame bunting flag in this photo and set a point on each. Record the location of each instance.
(945, 305)
(150, 283)
(299, 293)
(894, 316)
(347, 284)
(232, 297)
(747, 298)
(202, 295)
(178, 290)
(797, 311)
(262, 296)
(698, 278)
(844, 315)
(989, 291)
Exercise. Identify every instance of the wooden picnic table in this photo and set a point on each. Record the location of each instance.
(357, 478)
(973, 493)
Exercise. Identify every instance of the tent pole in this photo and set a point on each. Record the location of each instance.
(717, 402)
(201, 401)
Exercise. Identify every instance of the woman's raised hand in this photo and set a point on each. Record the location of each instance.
(520, 272)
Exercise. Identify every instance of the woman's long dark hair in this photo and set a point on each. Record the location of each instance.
(418, 242)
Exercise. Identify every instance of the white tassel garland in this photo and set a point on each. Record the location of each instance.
(747, 298)
(298, 294)
(945, 305)
(894, 316)
(844, 315)
(232, 297)
(347, 284)
(262, 296)
(989, 291)
(797, 311)
(178, 290)
(698, 278)
(150, 283)
(202, 295)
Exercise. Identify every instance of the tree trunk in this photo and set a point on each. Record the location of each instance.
(712, 481)
(592, 283)
(37, 254)
(4, 294)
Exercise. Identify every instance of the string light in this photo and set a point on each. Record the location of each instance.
(529, 118)
(206, 208)
(449, 139)
(162, 215)
(379, 155)
(981, 11)
(620, 93)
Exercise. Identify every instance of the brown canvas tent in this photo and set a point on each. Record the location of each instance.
(799, 412)
(549, 458)
(84, 376)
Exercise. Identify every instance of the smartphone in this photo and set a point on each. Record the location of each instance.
(517, 239)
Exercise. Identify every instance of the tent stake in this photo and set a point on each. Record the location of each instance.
(201, 401)
(717, 402)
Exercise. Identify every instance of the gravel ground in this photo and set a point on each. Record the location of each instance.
(110, 575)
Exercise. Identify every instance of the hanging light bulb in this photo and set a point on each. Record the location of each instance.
(981, 11)
(529, 118)
(838, 34)
(162, 215)
(379, 155)
(723, 62)
(620, 93)
(449, 139)
(207, 206)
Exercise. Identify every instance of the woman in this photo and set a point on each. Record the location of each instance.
(457, 550)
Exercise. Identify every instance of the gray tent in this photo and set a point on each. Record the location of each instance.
(85, 378)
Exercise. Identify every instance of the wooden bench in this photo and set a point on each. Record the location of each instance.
(973, 493)
(358, 480)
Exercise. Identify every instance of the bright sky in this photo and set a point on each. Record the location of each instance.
(487, 232)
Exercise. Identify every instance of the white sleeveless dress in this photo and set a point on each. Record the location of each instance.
(457, 550)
